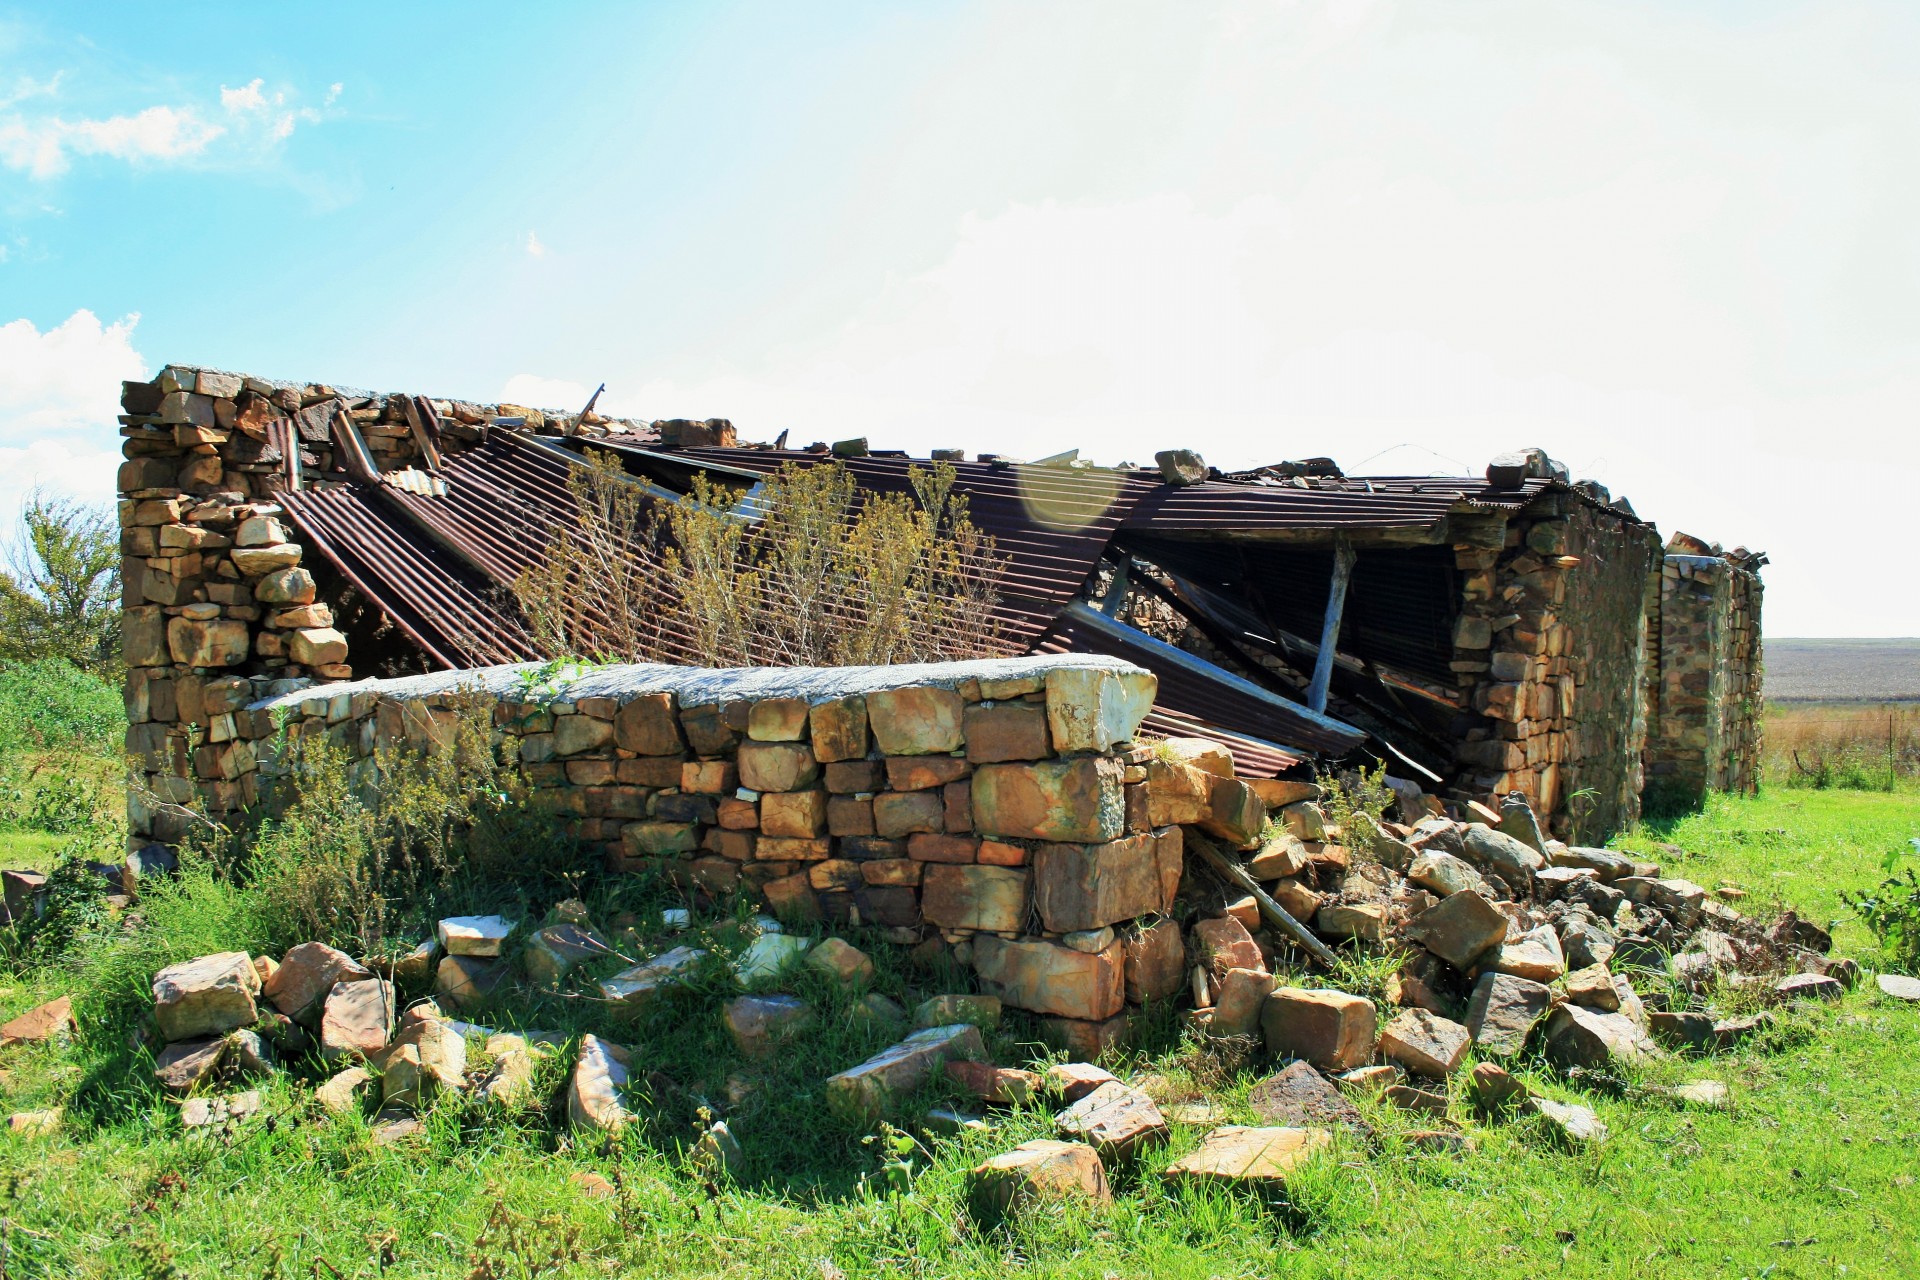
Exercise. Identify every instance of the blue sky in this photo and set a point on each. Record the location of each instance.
(1677, 245)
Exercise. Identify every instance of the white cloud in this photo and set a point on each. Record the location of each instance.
(253, 124)
(536, 248)
(59, 397)
(1678, 253)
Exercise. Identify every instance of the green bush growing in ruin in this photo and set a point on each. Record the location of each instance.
(60, 589)
(805, 569)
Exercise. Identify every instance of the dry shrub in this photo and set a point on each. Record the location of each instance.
(362, 850)
(1837, 745)
(804, 569)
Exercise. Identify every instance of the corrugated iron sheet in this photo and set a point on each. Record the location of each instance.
(1372, 502)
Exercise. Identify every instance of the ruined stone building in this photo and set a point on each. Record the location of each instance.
(1511, 632)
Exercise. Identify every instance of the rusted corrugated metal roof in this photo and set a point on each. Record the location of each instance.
(441, 566)
(439, 602)
(1371, 502)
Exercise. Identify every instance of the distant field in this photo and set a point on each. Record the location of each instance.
(1843, 670)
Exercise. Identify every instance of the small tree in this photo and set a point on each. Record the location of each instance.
(59, 595)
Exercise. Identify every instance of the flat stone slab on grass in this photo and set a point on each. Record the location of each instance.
(766, 957)
(869, 1091)
(1899, 986)
(1116, 1118)
(474, 935)
(759, 1024)
(1298, 1096)
(1001, 1086)
(1240, 1155)
(1075, 1080)
(1035, 1172)
(1575, 1125)
(1809, 986)
(635, 986)
(50, 1021)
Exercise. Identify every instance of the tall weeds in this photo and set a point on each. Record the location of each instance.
(805, 569)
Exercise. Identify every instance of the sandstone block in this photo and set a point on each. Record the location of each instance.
(317, 647)
(1445, 875)
(1237, 1156)
(1593, 987)
(44, 1023)
(1503, 1011)
(778, 720)
(1361, 921)
(1424, 1043)
(357, 1018)
(930, 847)
(301, 982)
(285, 586)
(1117, 1119)
(211, 995)
(801, 814)
(1283, 856)
(256, 561)
(1330, 1029)
(633, 988)
(1038, 975)
(916, 721)
(1000, 1086)
(1239, 999)
(1461, 929)
(474, 935)
(217, 642)
(593, 1094)
(777, 766)
(1177, 793)
(1576, 1036)
(842, 961)
(555, 951)
(1091, 709)
(1224, 943)
(1086, 886)
(839, 729)
(1535, 955)
(974, 897)
(868, 1092)
(952, 1010)
(1156, 961)
(897, 814)
(648, 725)
(1006, 731)
(184, 1065)
(1037, 1172)
(1067, 800)
(1086, 1037)
(1298, 1095)
(1234, 813)
(760, 1024)
(465, 982)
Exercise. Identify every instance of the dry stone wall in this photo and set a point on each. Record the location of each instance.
(1003, 805)
(1550, 644)
(1707, 728)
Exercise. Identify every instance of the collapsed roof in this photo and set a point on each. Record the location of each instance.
(1246, 559)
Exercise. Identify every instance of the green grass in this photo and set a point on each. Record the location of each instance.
(1812, 1171)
